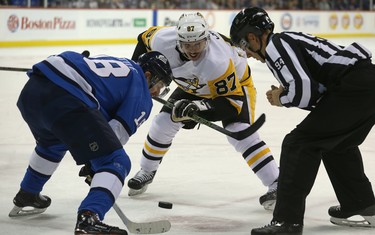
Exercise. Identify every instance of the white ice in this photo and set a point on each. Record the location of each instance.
(212, 189)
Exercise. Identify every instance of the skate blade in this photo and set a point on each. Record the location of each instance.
(25, 211)
(269, 205)
(355, 221)
(135, 192)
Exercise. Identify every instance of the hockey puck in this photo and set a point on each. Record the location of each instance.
(166, 205)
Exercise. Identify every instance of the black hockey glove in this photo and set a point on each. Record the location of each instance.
(86, 171)
(185, 109)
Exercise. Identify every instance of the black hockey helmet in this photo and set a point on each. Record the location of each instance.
(249, 20)
(157, 64)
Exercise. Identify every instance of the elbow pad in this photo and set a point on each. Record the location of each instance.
(120, 131)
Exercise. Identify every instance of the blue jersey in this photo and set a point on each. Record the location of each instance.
(115, 86)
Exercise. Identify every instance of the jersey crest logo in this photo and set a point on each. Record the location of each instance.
(190, 85)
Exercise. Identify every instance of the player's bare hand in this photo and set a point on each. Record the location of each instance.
(273, 95)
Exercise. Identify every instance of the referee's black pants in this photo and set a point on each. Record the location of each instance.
(331, 132)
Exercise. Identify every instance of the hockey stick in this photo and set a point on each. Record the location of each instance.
(14, 69)
(160, 226)
(84, 53)
(236, 135)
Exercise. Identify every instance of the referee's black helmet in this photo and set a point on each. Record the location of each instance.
(250, 20)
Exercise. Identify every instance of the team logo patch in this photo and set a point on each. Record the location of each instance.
(94, 146)
(190, 85)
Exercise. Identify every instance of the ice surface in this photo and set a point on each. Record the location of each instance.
(212, 189)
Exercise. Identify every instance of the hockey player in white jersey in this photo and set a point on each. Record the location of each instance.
(214, 81)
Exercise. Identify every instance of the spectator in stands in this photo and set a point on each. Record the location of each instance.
(268, 4)
(324, 5)
(211, 4)
(341, 5)
(4, 2)
(354, 5)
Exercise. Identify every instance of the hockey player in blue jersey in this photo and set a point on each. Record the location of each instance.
(89, 106)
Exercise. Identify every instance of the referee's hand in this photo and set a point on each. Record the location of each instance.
(273, 95)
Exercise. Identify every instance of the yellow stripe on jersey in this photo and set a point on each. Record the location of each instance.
(154, 151)
(149, 34)
(257, 156)
(246, 77)
(227, 84)
(250, 92)
(237, 104)
(250, 95)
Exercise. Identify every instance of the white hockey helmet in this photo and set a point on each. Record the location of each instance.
(192, 27)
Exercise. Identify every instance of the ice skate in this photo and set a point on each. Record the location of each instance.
(278, 228)
(29, 204)
(139, 183)
(268, 200)
(88, 223)
(360, 218)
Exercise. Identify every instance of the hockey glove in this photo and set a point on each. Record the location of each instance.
(273, 95)
(185, 109)
(86, 171)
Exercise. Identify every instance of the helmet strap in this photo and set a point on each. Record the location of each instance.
(153, 81)
(259, 52)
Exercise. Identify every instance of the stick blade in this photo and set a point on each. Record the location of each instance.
(160, 226)
(154, 227)
(251, 129)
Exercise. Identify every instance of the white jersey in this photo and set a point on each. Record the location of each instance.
(221, 70)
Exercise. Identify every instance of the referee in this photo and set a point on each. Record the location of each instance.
(337, 84)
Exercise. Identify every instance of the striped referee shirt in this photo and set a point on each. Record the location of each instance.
(306, 66)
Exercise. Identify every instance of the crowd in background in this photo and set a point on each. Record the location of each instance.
(199, 4)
